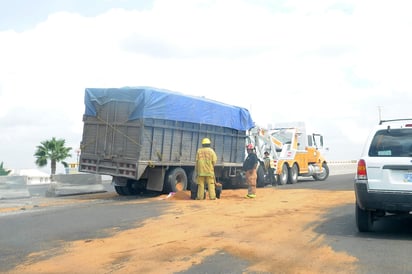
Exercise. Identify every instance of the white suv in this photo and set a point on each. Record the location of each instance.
(383, 183)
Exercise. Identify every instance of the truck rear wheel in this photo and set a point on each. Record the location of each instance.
(293, 174)
(283, 177)
(135, 187)
(260, 181)
(191, 177)
(192, 183)
(175, 180)
(119, 190)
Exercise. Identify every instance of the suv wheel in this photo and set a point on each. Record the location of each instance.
(364, 219)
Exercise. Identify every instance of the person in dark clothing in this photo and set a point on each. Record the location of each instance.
(250, 167)
(269, 168)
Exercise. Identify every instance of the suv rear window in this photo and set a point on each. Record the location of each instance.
(392, 143)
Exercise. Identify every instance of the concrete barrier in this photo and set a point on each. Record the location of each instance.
(72, 184)
(13, 187)
(342, 167)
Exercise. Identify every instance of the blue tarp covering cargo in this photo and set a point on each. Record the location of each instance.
(157, 103)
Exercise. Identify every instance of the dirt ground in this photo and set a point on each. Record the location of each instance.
(274, 233)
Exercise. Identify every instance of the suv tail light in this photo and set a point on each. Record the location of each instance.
(361, 173)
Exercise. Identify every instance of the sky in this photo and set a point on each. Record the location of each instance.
(338, 66)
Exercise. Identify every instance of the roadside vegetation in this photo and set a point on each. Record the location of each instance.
(53, 150)
(3, 171)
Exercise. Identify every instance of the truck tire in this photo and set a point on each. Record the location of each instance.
(127, 190)
(364, 219)
(191, 177)
(283, 177)
(193, 191)
(324, 175)
(119, 190)
(260, 182)
(135, 187)
(175, 180)
(192, 183)
(293, 174)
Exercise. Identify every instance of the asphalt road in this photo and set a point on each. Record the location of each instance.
(386, 250)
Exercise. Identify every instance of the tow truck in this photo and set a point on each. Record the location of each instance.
(293, 151)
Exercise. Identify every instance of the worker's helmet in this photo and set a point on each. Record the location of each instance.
(206, 141)
(250, 146)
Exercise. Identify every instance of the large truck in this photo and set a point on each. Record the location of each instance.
(147, 138)
(294, 152)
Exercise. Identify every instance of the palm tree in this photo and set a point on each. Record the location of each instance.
(53, 150)
(3, 171)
